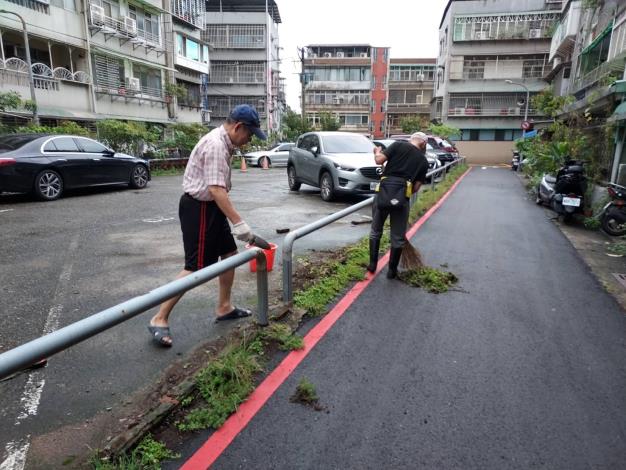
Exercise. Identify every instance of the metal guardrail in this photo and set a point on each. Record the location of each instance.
(30, 353)
(287, 257)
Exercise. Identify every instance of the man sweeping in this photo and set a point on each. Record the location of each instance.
(404, 172)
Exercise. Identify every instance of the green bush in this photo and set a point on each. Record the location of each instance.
(66, 127)
(127, 137)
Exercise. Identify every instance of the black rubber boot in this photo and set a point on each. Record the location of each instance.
(374, 248)
(394, 260)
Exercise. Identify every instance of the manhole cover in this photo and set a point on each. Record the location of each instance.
(621, 278)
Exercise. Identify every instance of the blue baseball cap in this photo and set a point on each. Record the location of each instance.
(247, 115)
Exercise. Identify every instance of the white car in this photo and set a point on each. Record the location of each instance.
(276, 156)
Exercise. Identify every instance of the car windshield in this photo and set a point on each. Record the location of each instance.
(446, 143)
(429, 147)
(14, 142)
(347, 144)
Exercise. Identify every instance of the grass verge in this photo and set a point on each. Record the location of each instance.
(148, 455)
(333, 277)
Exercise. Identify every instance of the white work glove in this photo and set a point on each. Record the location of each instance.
(242, 231)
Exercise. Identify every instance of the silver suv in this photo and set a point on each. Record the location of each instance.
(335, 162)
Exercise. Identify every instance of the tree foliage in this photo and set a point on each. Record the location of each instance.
(548, 103)
(411, 124)
(65, 127)
(127, 137)
(444, 131)
(329, 122)
(10, 100)
(184, 137)
(293, 125)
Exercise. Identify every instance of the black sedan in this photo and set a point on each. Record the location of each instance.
(46, 165)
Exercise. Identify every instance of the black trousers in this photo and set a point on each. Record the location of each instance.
(399, 220)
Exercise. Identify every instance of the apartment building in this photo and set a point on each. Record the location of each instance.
(101, 59)
(588, 63)
(492, 60)
(245, 60)
(411, 86)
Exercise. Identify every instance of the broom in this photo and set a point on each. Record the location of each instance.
(411, 258)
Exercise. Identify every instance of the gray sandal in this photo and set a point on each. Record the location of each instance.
(159, 335)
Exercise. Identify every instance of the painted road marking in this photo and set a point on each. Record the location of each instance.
(217, 443)
(6, 210)
(17, 450)
(159, 219)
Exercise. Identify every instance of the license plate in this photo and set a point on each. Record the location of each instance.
(373, 186)
(571, 201)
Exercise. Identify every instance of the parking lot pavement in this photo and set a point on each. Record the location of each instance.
(90, 250)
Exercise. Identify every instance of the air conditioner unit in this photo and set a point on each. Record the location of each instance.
(97, 15)
(420, 77)
(534, 33)
(134, 84)
(514, 111)
(339, 54)
(363, 54)
(459, 111)
(481, 35)
(313, 56)
(130, 25)
(327, 54)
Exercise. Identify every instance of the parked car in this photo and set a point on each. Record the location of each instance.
(444, 145)
(46, 165)
(443, 156)
(335, 162)
(276, 156)
(433, 161)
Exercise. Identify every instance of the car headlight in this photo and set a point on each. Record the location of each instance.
(343, 167)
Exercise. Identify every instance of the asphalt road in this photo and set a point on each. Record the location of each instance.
(65, 260)
(524, 367)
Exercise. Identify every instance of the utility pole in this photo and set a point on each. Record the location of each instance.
(31, 80)
(302, 81)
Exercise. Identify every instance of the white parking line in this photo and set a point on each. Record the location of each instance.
(159, 219)
(17, 450)
(6, 210)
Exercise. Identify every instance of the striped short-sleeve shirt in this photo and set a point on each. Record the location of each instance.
(209, 165)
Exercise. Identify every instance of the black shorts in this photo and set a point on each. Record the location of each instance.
(206, 233)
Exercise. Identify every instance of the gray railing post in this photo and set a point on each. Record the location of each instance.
(29, 353)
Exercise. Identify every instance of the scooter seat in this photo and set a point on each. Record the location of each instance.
(550, 179)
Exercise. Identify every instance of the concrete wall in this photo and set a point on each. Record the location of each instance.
(486, 152)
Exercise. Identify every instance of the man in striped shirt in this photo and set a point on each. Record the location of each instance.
(205, 209)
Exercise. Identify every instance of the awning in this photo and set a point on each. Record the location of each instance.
(619, 114)
(597, 40)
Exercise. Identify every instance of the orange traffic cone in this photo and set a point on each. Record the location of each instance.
(265, 163)
(244, 167)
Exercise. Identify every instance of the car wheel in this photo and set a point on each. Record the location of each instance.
(139, 177)
(294, 184)
(48, 185)
(260, 162)
(538, 200)
(327, 188)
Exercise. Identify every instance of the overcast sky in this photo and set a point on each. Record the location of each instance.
(409, 27)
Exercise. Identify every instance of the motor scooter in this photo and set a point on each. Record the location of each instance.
(515, 161)
(613, 214)
(564, 194)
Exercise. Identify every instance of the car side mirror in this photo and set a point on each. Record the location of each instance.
(109, 152)
(314, 150)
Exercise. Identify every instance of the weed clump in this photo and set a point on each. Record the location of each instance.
(431, 279)
(306, 394)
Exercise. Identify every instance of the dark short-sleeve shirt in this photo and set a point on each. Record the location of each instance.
(406, 161)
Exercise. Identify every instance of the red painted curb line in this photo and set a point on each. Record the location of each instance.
(206, 455)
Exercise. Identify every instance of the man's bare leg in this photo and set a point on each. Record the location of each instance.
(226, 280)
(162, 316)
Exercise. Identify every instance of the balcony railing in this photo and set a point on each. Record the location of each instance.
(232, 36)
(565, 34)
(608, 72)
(124, 29)
(190, 11)
(15, 70)
(509, 26)
(221, 106)
(500, 112)
(237, 73)
(497, 69)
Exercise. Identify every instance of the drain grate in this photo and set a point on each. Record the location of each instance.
(621, 278)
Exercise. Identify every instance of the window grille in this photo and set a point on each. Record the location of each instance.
(237, 72)
(221, 105)
(109, 72)
(536, 25)
(235, 36)
(411, 73)
(191, 11)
